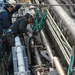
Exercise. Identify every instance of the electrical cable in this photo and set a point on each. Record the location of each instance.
(70, 68)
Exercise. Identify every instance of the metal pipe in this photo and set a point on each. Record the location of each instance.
(38, 57)
(58, 39)
(20, 59)
(58, 42)
(58, 66)
(40, 4)
(57, 29)
(66, 56)
(54, 60)
(54, 27)
(69, 22)
(49, 49)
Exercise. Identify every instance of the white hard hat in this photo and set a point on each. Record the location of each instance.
(32, 7)
(31, 12)
(11, 1)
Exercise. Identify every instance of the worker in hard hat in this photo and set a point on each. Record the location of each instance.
(19, 27)
(6, 16)
(6, 22)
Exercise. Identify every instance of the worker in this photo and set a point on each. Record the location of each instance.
(19, 27)
(5, 23)
(6, 16)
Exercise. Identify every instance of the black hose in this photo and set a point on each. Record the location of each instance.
(30, 50)
(72, 11)
(64, 1)
(71, 8)
(73, 1)
(31, 54)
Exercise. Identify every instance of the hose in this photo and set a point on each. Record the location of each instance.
(71, 8)
(72, 64)
(30, 52)
(73, 1)
(64, 1)
(71, 70)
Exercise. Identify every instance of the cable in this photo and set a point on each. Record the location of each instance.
(70, 68)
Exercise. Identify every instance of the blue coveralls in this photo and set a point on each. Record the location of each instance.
(5, 23)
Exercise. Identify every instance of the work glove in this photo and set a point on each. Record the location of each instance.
(30, 35)
(9, 32)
